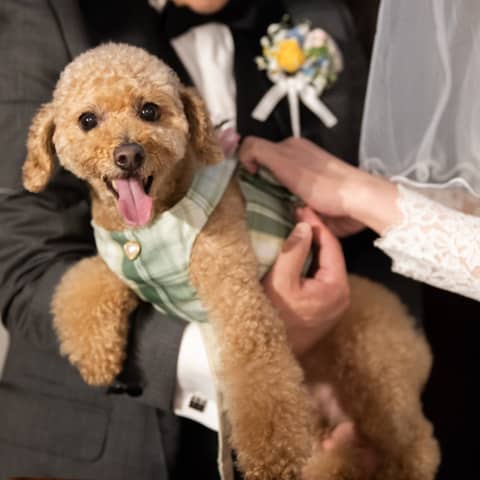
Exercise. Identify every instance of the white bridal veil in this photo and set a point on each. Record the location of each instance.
(422, 117)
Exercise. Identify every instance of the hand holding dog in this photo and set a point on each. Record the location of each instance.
(310, 307)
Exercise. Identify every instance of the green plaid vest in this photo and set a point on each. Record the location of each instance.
(154, 261)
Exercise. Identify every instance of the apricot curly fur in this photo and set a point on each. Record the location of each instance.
(38, 166)
(375, 359)
(90, 308)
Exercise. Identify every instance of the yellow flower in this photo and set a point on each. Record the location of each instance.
(290, 56)
(267, 52)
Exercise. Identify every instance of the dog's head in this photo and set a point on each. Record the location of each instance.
(121, 120)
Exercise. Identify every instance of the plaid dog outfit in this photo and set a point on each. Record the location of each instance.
(158, 268)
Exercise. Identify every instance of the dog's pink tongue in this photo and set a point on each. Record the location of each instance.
(134, 204)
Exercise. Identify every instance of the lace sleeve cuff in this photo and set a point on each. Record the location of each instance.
(434, 244)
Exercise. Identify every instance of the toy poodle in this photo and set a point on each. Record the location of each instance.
(121, 120)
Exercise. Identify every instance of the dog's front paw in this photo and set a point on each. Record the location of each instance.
(271, 423)
(284, 467)
(99, 360)
(275, 448)
(91, 307)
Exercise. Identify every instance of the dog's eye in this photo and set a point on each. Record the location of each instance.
(87, 120)
(149, 112)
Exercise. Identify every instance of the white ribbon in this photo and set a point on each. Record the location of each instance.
(295, 88)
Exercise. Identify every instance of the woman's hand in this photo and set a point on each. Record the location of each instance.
(343, 194)
(317, 177)
(310, 307)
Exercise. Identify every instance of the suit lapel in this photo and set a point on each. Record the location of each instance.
(251, 83)
(72, 25)
(344, 98)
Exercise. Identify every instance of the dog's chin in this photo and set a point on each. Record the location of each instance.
(132, 197)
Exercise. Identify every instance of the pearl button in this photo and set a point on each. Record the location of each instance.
(132, 249)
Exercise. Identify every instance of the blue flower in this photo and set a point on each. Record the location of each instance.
(296, 33)
(309, 71)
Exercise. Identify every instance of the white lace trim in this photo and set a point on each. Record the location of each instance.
(435, 244)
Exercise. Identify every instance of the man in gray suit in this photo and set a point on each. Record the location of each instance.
(51, 423)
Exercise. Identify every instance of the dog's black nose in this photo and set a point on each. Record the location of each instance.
(129, 156)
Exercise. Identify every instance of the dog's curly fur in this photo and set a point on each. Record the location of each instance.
(375, 359)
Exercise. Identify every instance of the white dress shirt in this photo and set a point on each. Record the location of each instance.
(207, 54)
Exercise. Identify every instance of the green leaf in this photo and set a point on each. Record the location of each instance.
(317, 52)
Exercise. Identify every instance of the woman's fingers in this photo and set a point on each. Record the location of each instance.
(298, 151)
(254, 151)
(306, 170)
(281, 161)
(343, 227)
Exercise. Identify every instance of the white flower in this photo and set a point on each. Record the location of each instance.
(337, 57)
(261, 63)
(265, 42)
(278, 36)
(273, 28)
(315, 39)
(319, 83)
(303, 28)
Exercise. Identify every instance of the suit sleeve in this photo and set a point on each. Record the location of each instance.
(41, 235)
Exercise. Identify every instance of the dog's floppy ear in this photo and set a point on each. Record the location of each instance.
(202, 135)
(38, 166)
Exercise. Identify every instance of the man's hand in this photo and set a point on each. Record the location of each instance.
(310, 307)
(343, 433)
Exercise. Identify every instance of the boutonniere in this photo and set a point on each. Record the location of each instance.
(301, 62)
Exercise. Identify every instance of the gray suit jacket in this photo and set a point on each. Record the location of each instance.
(51, 423)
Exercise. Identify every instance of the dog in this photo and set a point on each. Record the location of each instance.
(121, 120)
